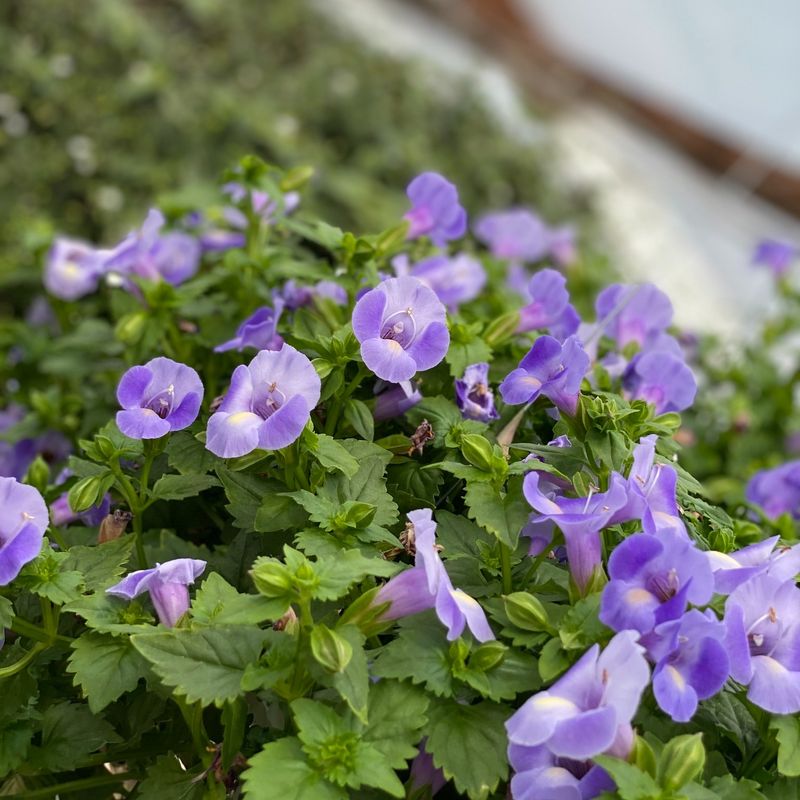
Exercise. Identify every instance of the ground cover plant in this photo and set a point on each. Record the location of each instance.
(290, 511)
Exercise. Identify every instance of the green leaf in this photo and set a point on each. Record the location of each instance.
(218, 603)
(632, 783)
(357, 413)
(205, 664)
(245, 494)
(102, 564)
(109, 614)
(333, 456)
(189, 456)
(397, 715)
(178, 487)
(279, 512)
(503, 515)
(468, 742)
(552, 660)
(167, 779)
(581, 626)
(14, 743)
(337, 574)
(6, 613)
(728, 787)
(105, 667)
(727, 714)
(46, 576)
(352, 682)
(441, 412)
(467, 346)
(787, 730)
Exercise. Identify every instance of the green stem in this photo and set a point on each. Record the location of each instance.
(193, 716)
(73, 786)
(132, 499)
(505, 564)
(18, 666)
(60, 540)
(31, 631)
(49, 617)
(340, 400)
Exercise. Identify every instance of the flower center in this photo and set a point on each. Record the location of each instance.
(765, 632)
(271, 402)
(664, 587)
(163, 402)
(400, 327)
(480, 395)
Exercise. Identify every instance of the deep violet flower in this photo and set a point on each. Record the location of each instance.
(474, 396)
(633, 313)
(401, 325)
(159, 397)
(73, 269)
(23, 521)
(267, 405)
(661, 379)
(776, 490)
(395, 399)
(15, 457)
(150, 254)
(259, 331)
(515, 235)
(427, 585)
(435, 210)
(423, 774)
(549, 306)
(590, 707)
(691, 662)
(775, 255)
(580, 519)
(652, 580)
(455, 280)
(167, 584)
(762, 618)
(733, 569)
(550, 368)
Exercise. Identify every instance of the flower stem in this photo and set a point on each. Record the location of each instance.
(193, 716)
(340, 400)
(18, 666)
(132, 499)
(31, 631)
(505, 564)
(56, 789)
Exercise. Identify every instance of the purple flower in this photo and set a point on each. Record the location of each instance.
(395, 399)
(455, 280)
(733, 569)
(661, 379)
(146, 253)
(15, 457)
(515, 235)
(474, 396)
(424, 774)
(562, 245)
(633, 313)
(778, 256)
(550, 368)
(776, 490)
(23, 521)
(259, 331)
(73, 269)
(427, 585)
(330, 290)
(435, 210)
(762, 617)
(401, 325)
(549, 306)
(652, 579)
(691, 662)
(587, 710)
(157, 398)
(262, 204)
(267, 405)
(580, 519)
(167, 584)
(294, 295)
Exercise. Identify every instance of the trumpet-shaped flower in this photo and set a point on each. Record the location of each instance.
(267, 405)
(401, 325)
(259, 331)
(775, 255)
(395, 400)
(514, 235)
(23, 521)
(167, 584)
(661, 379)
(733, 569)
(435, 210)
(157, 398)
(73, 269)
(776, 490)
(633, 313)
(549, 306)
(455, 280)
(474, 396)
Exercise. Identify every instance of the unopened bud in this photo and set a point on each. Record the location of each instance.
(330, 649)
(38, 474)
(487, 656)
(501, 329)
(526, 611)
(272, 579)
(477, 450)
(681, 761)
(114, 525)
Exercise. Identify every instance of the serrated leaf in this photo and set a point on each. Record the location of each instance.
(6, 613)
(102, 564)
(189, 456)
(441, 412)
(397, 715)
(726, 786)
(787, 730)
(503, 515)
(14, 743)
(109, 614)
(204, 664)
(632, 783)
(337, 574)
(352, 683)
(333, 456)
(245, 494)
(279, 512)
(167, 779)
(178, 487)
(357, 413)
(218, 603)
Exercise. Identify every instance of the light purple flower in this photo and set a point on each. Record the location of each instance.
(691, 662)
(147, 253)
(427, 585)
(262, 204)
(762, 617)
(267, 405)
(401, 325)
(455, 280)
(776, 490)
(23, 521)
(580, 519)
(435, 209)
(167, 584)
(515, 235)
(157, 398)
(330, 290)
(652, 579)
(549, 306)
(776, 255)
(259, 331)
(394, 399)
(562, 245)
(589, 708)
(550, 368)
(73, 269)
(474, 396)
(661, 379)
(733, 569)
(633, 313)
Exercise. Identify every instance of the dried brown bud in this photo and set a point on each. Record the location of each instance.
(288, 620)
(421, 436)
(113, 526)
(187, 326)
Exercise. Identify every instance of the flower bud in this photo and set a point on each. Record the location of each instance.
(526, 611)
(130, 328)
(487, 656)
(681, 761)
(38, 474)
(330, 649)
(272, 579)
(87, 492)
(502, 328)
(477, 450)
(296, 178)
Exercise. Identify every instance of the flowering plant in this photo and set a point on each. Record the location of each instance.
(433, 537)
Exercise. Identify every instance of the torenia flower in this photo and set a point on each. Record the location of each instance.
(262, 204)
(401, 325)
(455, 280)
(395, 400)
(167, 584)
(267, 406)
(515, 235)
(762, 617)
(776, 490)
(259, 331)
(147, 253)
(633, 313)
(733, 569)
(73, 269)
(550, 368)
(474, 396)
(586, 710)
(23, 521)
(778, 256)
(661, 379)
(652, 579)
(157, 398)
(562, 245)
(427, 585)
(424, 774)
(435, 209)
(549, 306)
